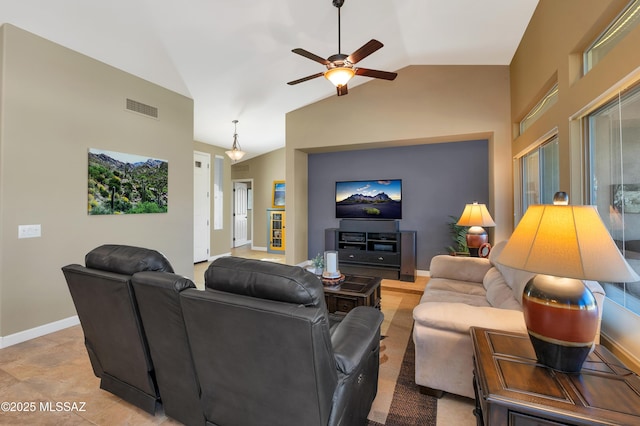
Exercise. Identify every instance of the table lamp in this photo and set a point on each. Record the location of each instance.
(564, 244)
(476, 216)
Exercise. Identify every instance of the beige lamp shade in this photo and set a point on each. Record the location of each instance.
(475, 215)
(566, 241)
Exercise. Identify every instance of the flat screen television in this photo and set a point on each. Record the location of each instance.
(369, 199)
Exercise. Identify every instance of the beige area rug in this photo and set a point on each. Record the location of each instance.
(409, 406)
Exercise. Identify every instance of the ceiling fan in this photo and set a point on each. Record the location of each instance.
(340, 67)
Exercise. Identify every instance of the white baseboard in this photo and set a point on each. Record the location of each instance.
(256, 248)
(217, 256)
(422, 273)
(39, 331)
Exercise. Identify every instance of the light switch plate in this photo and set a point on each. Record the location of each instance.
(29, 231)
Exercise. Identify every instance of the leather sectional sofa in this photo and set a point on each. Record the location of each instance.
(255, 347)
(465, 292)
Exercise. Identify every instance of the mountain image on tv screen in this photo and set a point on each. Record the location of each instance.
(369, 199)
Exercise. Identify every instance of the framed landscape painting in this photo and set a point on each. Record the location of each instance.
(122, 183)
(278, 194)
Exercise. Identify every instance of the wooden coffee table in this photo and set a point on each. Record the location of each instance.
(354, 291)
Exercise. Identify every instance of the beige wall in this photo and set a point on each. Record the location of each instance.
(425, 104)
(263, 170)
(220, 239)
(55, 105)
(551, 48)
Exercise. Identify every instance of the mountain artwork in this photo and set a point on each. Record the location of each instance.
(122, 183)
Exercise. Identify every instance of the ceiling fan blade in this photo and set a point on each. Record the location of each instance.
(385, 75)
(366, 50)
(303, 79)
(342, 90)
(311, 56)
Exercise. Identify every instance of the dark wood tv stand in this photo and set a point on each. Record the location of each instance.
(374, 248)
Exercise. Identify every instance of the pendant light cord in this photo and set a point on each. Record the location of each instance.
(339, 48)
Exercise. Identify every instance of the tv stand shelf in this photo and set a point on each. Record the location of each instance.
(382, 254)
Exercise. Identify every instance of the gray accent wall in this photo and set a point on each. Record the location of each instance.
(437, 181)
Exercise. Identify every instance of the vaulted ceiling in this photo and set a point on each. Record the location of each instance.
(234, 57)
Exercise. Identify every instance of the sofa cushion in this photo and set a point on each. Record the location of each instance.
(456, 286)
(459, 268)
(516, 279)
(459, 317)
(440, 296)
(499, 294)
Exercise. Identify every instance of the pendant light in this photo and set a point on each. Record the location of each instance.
(236, 153)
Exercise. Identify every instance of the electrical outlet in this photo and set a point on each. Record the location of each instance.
(29, 231)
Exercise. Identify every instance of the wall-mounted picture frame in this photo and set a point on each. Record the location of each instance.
(277, 198)
(121, 183)
(626, 198)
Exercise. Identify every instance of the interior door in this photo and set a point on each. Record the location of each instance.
(201, 206)
(240, 220)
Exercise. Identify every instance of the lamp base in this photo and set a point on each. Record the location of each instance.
(476, 236)
(561, 315)
(568, 359)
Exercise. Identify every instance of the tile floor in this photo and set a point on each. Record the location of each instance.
(55, 369)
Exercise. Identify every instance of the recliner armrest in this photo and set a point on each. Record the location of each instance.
(354, 337)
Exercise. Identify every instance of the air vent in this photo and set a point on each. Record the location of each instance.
(141, 108)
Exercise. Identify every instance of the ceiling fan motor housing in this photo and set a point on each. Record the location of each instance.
(338, 60)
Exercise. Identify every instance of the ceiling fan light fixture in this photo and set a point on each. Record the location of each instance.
(339, 76)
(340, 67)
(236, 153)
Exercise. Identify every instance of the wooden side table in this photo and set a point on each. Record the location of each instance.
(354, 291)
(513, 389)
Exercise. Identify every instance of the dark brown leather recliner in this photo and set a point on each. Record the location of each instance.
(264, 353)
(158, 296)
(108, 312)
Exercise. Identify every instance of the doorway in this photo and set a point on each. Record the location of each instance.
(201, 206)
(242, 212)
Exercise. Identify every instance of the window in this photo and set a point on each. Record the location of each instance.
(613, 133)
(218, 194)
(627, 21)
(540, 174)
(550, 98)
